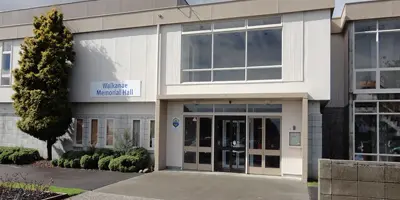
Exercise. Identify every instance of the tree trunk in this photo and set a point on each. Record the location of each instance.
(49, 149)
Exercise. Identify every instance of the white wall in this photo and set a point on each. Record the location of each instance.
(114, 56)
(291, 157)
(305, 60)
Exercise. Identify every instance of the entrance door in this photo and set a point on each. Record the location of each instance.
(264, 145)
(197, 143)
(230, 141)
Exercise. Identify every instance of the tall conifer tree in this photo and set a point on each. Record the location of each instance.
(41, 81)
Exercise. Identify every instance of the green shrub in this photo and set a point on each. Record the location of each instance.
(87, 162)
(74, 154)
(66, 163)
(75, 163)
(104, 162)
(60, 162)
(54, 162)
(103, 152)
(24, 156)
(143, 157)
(5, 157)
(124, 163)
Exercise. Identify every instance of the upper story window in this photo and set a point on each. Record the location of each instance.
(233, 50)
(376, 54)
(5, 73)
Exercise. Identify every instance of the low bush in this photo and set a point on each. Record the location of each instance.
(5, 157)
(124, 163)
(74, 163)
(54, 162)
(60, 162)
(104, 162)
(143, 157)
(24, 156)
(66, 163)
(73, 154)
(87, 162)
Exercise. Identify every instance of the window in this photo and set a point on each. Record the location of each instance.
(109, 132)
(234, 50)
(5, 73)
(376, 54)
(79, 132)
(136, 132)
(152, 133)
(94, 130)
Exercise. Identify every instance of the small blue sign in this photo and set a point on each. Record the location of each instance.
(175, 122)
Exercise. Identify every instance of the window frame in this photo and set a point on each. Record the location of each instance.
(90, 132)
(141, 133)
(149, 135)
(246, 28)
(11, 63)
(377, 69)
(105, 132)
(83, 131)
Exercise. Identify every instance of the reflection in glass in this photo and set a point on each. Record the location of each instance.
(195, 27)
(264, 47)
(273, 134)
(390, 79)
(190, 131)
(205, 132)
(365, 133)
(365, 51)
(265, 21)
(79, 131)
(204, 158)
(110, 131)
(229, 50)
(392, 23)
(272, 161)
(202, 76)
(196, 52)
(389, 107)
(275, 108)
(365, 107)
(229, 24)
(365, 80)
(365, 157)
(255, 133)
(255, 160)
(136, 132)
(6, 67)
(5, 81)
(264, 74)
(229, 75)
(366, 25)
(389, 158)
(198, 108)
(389, 134)
(152, 133)
(389, 50)
(230, 107)
(190, 157)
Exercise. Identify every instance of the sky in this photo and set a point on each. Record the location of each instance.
(17, 4)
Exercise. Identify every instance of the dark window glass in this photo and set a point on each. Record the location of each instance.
(367, 25)
(365, 80)
(230, 108)
(204, 158)
(272, 161)
(190, 157)
(255, 160)
(389, 139)
(205, 132)
(264, 74)
(365, 133)
(229, 75)
(265, 21)
(195, 27)
(365, 107)
(196, 52)
(273, 134)
(229, 50)
(365, 51)
(255, 133)
(389, 107)
(190, 131)
(264, 47)
(202, 76)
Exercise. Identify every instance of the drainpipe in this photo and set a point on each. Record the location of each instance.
(158, 59)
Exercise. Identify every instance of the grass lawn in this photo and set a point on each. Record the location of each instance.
(68, 191)
(312, 184)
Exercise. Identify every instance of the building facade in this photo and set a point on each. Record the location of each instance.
(233, 87)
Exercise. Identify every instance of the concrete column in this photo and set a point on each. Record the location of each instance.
(314, 138)
(160, 150)
(304, 139)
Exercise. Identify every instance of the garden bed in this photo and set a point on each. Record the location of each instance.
(22, 194)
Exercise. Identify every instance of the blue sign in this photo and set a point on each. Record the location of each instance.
(175, 122)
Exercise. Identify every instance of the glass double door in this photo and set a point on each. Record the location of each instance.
(197, 143)
(230, 144)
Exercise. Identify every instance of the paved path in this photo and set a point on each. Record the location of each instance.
(168, 185)
(72, 178)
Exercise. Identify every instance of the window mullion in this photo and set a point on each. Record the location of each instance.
(245, 51)
(378, 71)
(212, 52)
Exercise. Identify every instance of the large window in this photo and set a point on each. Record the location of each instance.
(94, 131)
(235, 50)
(5, 73)
(152, 134)
(377, 127)
(376, 55)
(109, 132)
(79, 132)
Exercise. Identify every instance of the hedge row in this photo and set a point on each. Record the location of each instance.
(105, 159)
(18, 155)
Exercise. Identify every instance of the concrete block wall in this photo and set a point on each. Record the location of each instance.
(358, 180)
(314, 138)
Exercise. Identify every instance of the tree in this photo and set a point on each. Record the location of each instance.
(41, 81)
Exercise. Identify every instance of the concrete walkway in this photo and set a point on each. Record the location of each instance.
(168, 185)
